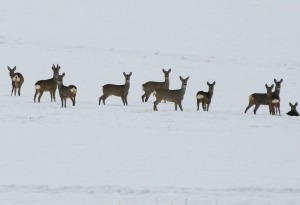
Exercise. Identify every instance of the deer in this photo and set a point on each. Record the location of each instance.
(150, 86)
(258, 99)
(175, 96)
(117, 90)
(17, 80)
(293, 111)
(47, 85)
(275, 97)
(66, 91)
(205, 97)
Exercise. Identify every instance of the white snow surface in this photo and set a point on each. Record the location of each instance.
(113, 154)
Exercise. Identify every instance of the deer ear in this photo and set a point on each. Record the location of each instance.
(281, 80)
(180, 78)
(15, 68)
(290, 104)
(124, 73)
(169, 70)
(187, 78)
(214, 82)
(296, 104)
(130, 73)
(272, 86)
(207, 83)
(164, 70)
(8, 68)
(63, 74)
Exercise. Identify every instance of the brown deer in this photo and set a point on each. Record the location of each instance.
(66, 91)
(293, 111)
(150, 86)
(205, 97)
(258, 99)
(276, 98)
(175, 96)
(117, 90)
(17, 80)
(47, 85)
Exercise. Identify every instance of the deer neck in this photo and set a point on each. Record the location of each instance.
(167, 82)
(277, 91)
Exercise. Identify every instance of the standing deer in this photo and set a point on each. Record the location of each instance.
(293, 111)
(17, 80)
(276, 98)
(150, 86)
(258, 99)
(205, 97)
(66, 91)
(47, 85)
(117, 90)
(175, 96)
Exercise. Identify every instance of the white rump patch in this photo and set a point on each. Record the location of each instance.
(37, 87)
(16, 78)
(154, 92)
(200, 96)
(73, 90)
(275, 101)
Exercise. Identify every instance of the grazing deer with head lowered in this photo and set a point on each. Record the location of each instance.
(47, 85)
(66, 91)
(150, 86)
(258, 99)
(205, 97)
(293, 111)
(117, 90)
(17, 80)
(175, 96)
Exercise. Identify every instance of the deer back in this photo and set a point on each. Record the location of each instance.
(150, 86)
(171, 95)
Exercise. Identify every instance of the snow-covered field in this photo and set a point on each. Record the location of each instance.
(131, 155)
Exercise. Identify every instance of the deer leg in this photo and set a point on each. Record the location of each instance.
(147, 96)
(250, 105)
(155, 105)
(12, 90)
(126, 100)
(198, 102)
(40, 95)
(180, 106)
(123, 100)
(19, 91)
(175, 106)
(62, 102)
(143, 96)
(204, 106)
(74, 100)
(207, 107)
(15, 91)
(36, 92)
(255, 109)
(65, 102)
(279, 109)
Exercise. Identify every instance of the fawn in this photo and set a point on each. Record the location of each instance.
(47, 85)
(205, 97)
(117, 90)
(17, 80)
(175, 96)
(150, 86)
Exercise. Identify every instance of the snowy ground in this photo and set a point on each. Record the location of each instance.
(91, 154)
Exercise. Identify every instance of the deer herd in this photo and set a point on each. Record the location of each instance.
(159, 89)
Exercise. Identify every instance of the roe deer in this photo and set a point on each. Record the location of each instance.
(293, 111)
(47, 85)
(175, 96)
(205, 97)
(66, 91)
(258, 99)
(16, 80)
(150, 86)
(117, 90)
(275, 97)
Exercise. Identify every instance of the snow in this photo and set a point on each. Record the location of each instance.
(115, 154)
